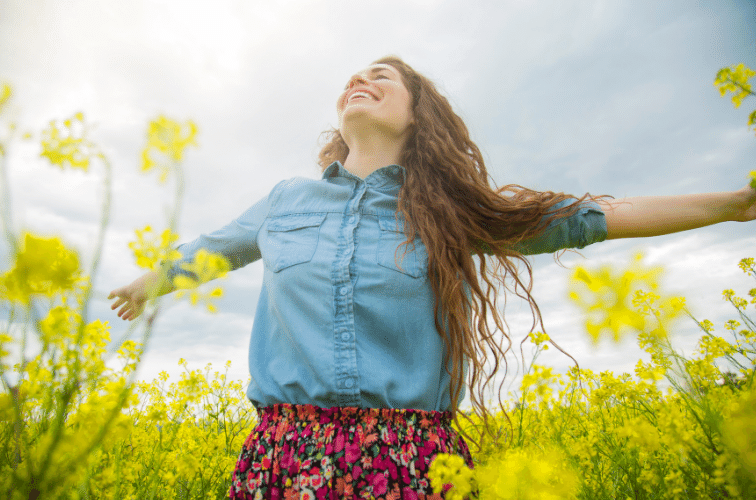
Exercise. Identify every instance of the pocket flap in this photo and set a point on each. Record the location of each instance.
(292, 222)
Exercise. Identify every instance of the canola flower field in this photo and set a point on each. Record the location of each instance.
(74, 427)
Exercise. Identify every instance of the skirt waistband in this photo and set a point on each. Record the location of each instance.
(352, 414)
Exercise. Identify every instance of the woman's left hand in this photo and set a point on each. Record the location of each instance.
(746, 204)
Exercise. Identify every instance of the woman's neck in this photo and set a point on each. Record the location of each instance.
(367, 156)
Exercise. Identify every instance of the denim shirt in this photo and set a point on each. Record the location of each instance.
(338, 322)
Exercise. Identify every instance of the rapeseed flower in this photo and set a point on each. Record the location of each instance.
(525, 474)
(450, 473)
(540, 340)
(646, 371)
(166, 141)
(151, 253)
(748, 266)
(5, 94)
(605, 296)
(735, 80)
(539, 380)
(739, 429)
(640, 433)
(67, 144)
(43, 266)
(205, 267)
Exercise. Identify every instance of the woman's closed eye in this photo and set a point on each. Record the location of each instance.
(374, 78)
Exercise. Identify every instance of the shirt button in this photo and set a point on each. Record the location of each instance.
(349, 383)
(344, 291)
(345, 336)
(351, 219)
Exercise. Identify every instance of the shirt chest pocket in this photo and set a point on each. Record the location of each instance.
(291, 240)
(391, 251)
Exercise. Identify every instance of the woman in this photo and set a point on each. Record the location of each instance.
(373, 305)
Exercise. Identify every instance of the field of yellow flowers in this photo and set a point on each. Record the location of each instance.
(74, 427)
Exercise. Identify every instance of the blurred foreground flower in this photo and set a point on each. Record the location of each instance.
(739, 429)
(43, 266)
(451, 470)
(611, 303)
(205, 267)
(67, 144)
(150, 253)
(166, 141)
(525, 474)
(5, 94)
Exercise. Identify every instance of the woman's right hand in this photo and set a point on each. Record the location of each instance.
(132, 298)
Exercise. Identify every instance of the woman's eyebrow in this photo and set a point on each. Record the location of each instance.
(374, 71)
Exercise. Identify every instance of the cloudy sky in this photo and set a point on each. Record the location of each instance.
(579, 96)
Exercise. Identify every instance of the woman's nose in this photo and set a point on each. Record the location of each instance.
(357, 79)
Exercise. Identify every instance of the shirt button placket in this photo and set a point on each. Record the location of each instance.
(347, 378)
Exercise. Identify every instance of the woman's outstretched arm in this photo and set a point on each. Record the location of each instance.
(657, 215)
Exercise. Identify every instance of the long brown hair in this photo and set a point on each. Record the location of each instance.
(446, 199)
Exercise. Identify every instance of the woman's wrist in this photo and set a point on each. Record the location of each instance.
(743, 205)
(155, 284)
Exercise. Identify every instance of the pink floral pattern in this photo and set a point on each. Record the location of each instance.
(343, 453)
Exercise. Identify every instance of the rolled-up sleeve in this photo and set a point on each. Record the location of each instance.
(586, 226)
(236, 241)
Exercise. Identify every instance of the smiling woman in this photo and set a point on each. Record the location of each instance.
(380, 286)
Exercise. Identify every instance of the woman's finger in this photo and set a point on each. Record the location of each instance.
(124, 309)
(118, 303)
(121, 303)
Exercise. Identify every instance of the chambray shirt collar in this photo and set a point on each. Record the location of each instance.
(391, 174)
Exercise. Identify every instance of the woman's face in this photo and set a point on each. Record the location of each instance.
(377, 97)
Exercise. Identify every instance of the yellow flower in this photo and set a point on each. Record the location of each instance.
(43, 266)
(525, 474)
(5, 95)
(166, 141)
(649, 372)
(713, 347)
(739, 429)
(541, 378)
(150, 253)
(540, 339)
(451, 469)
(747, 264)
(58, 325)
(605, 297)
(641, 434)
(735, 79)
(732, 324)
(205, 267)
(707, 326)
(67, 144)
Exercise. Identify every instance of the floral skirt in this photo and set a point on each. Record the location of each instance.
(309, 452)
